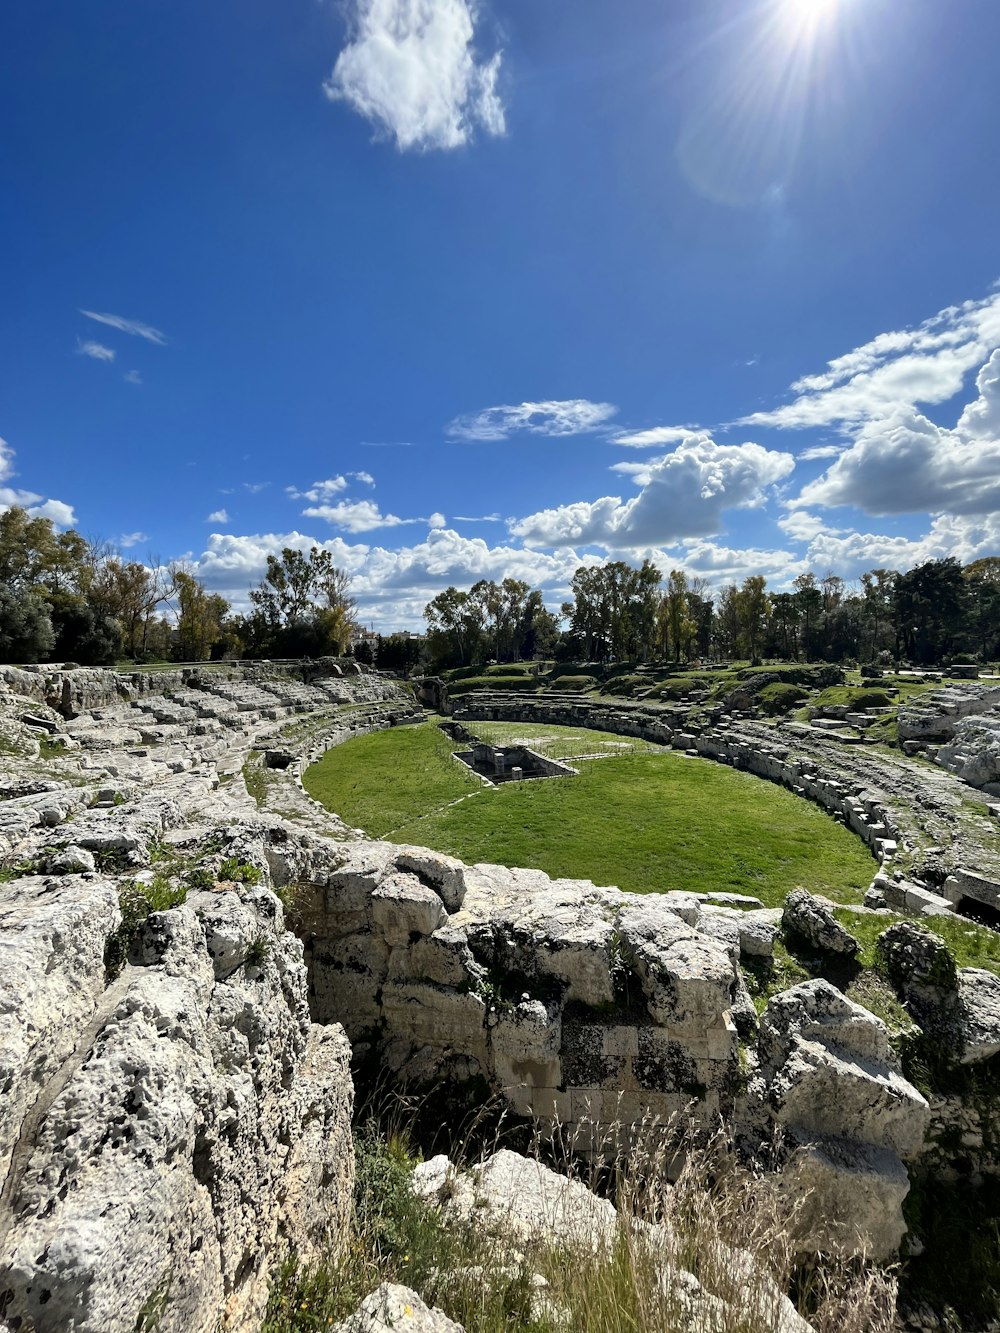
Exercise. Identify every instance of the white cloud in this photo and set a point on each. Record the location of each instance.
(571, 416)
(6, 460)
(357, 516)
(9, 495)
(365, 478)
(96, 351)
(683, 495)
(801, 525)
(480, 518)
(904, 463)
(217, 516)
(392, 586)
(437, 520)
(134, 327)
(726, 564)
(319, 490)
(411, 68)
(252, 487)
(657, 435)
(981, 419)
(132, 377)
(128, 539)
(925, 364)
(850, 552)
(821, 451)
(61, 514)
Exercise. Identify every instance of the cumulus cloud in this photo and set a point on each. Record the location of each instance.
(411, 68)
(904, 463)
(925, 364)
(134, 327)
(217, 516)
(727, 564)
(128, 539)
(392, 586)
(683, 495)
(60, 513)
(657, 435)
(96, 351)
(571, 416)
(319, 490)
(850, 552)
(821, 451)
(357, 516)
(365, 478)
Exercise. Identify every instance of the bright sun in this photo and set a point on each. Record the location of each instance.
(804, 17)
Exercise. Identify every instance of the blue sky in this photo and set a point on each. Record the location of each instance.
(462, 290)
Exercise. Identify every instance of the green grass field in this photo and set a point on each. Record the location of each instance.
(645, 821)
(388, 778)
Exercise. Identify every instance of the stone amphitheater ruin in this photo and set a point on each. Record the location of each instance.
(177, 1091)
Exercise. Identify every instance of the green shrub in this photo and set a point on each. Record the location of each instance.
(260, 946)
(870, 699)
(238, 872)
(626, 685)
(200, 879)
(136, 900)
(679, 687)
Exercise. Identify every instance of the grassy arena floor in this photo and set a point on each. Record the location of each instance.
(645, 821)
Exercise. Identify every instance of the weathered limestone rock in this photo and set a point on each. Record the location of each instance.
(52, 939)
(681, 974)
(914, 956)
(832, 1085)
(203, 1123)
(526, 985)
(71, 860)
(979, 1010)
(852, 1197)
(812, 920)
(390, 1308)
(402, 907)
(444, 874)
(520, 1199)
(523, 1204)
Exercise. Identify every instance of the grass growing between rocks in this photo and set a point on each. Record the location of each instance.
(969, 944)
(713, 1252)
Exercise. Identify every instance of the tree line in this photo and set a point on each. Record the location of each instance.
(927, 615)
(64, 598)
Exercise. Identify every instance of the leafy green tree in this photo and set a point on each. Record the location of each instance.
(26, 633)
(930, 606)
(455, 623)
(753, 612)
(301, 607)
